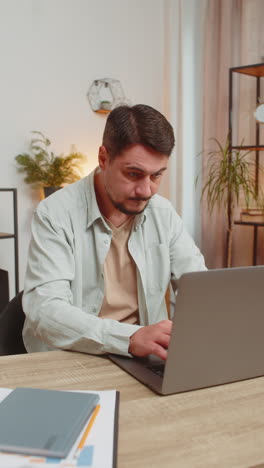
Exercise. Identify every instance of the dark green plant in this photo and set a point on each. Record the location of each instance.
(230, 178)
(44, 169)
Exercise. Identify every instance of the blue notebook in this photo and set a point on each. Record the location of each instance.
(43, 422)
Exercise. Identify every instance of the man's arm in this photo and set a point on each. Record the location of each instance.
(52, 317)
(185, 256)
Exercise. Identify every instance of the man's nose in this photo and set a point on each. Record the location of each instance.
(143, 188)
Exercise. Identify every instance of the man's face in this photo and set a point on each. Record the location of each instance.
(132, 178)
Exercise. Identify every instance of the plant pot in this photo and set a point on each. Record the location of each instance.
(50, 190)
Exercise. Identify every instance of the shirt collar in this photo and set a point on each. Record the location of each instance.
(93, 212)
(139, 219)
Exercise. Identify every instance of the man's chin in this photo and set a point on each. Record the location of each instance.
(129, 211)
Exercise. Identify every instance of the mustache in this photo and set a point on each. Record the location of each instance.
(140, 198)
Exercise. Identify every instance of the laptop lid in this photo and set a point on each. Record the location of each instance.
(217, 334)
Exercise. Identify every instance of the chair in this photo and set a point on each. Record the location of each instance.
(11, 325)
(4, 289)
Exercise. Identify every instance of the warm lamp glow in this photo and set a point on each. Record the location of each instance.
(88, 167)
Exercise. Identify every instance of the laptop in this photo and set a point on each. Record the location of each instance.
(217, 333)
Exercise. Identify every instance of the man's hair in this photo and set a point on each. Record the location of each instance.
(139, 124)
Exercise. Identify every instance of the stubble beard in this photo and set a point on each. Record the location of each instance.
(121, 207)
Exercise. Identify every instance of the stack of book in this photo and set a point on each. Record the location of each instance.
(58, 428)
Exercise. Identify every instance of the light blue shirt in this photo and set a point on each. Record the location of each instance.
(64, 285)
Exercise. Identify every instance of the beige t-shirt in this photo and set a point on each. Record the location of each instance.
(120, 300)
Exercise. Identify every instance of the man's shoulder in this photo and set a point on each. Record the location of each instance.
(160, 204)
(162, 213)
(69, 199)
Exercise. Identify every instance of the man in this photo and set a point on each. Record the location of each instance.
(105, 248)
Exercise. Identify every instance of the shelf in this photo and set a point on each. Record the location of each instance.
(250, 147)
(252, 70)
(249, 223)
(5, 235)
(103, 111)
(256, 71)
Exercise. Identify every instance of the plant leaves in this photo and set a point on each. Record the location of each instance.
(43, 168)
(230, 177)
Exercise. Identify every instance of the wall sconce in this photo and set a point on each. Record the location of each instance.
(105, 94)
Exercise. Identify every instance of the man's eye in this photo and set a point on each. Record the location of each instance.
(157, 175)
(133, 175)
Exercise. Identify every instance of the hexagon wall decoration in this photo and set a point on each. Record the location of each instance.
(105, 94)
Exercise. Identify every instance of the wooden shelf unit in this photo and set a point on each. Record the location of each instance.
(257, 72)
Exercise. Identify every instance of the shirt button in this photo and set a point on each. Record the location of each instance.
(106, 241)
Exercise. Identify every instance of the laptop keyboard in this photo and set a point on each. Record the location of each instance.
(156, 368)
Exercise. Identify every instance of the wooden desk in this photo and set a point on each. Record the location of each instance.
(220, 427)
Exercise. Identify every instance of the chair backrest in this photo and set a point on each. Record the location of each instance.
(11, 325)
(4, 290)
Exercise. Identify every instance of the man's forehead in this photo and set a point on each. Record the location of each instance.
(138, 149)
(141, 158)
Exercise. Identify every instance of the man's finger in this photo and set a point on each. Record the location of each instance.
(163, 340)
(166, 326)
(159, 351)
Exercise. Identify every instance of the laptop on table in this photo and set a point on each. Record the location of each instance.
(217, 334)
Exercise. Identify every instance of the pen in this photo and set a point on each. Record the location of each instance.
(87, 430)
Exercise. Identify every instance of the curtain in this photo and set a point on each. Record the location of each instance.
(183, 78)
(233, 37)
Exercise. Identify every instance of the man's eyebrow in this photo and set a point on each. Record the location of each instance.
(138, 169)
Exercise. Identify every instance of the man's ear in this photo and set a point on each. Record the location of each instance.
(102, 157)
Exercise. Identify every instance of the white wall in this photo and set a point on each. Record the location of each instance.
(51, 51)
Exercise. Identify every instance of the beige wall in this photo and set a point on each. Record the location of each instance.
(51, 51)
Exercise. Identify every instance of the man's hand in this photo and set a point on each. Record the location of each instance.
(152, 339)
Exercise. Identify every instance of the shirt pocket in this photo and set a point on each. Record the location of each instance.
(158, 268)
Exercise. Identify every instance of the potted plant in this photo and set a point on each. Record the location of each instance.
(44, 169)
(230, 179)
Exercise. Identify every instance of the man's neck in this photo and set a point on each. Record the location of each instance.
(116, 217)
